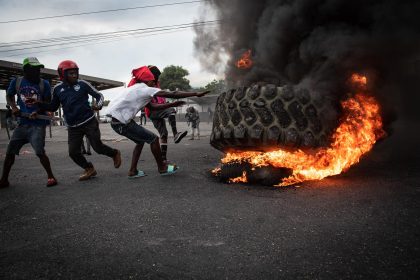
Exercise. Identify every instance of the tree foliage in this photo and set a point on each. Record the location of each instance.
(216, 86)
(173, 77)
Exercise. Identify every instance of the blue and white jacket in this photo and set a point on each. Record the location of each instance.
(75, 102)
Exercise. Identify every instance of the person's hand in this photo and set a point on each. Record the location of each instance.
(95, 108)
(15, 111)
(179, 103)
(200, 94)
(33, 115)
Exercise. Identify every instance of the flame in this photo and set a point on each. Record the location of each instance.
(358, 82)
(360, 128)
(245, 61)
(358, 79)
(216, 171)
(240, 179)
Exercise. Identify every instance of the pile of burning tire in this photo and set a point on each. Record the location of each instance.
(265, 117)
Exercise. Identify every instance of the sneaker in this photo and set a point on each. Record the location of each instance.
(117, 159)
(178, 137)
(89, 173)
(51, 182)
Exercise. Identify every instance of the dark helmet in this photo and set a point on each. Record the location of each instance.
(64, 66)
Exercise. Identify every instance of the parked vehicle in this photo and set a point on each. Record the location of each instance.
(104, 119)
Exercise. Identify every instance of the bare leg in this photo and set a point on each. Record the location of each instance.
(45, 161)
(164, 147)
(155, 148)
(135, 159)
(8, 162)
(192, 133)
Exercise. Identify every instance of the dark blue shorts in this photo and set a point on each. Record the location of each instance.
(134, 132)
(23, 134)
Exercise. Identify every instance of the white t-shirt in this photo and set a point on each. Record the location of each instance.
(130, 101)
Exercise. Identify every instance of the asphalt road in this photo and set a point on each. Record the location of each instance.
(363, 224)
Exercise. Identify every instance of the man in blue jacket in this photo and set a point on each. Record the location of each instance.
(29, 90)
(73, 95)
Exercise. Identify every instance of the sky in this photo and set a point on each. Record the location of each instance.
(111, 60)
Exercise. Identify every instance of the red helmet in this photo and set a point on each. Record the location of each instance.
(64, 66)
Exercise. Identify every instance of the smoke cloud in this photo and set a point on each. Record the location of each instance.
(318, 44)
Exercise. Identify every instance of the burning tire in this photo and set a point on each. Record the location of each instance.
(264, 175)
(266, 117)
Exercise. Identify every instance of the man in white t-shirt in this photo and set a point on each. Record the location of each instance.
(129, 103)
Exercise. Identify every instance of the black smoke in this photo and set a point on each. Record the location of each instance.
(318, 44)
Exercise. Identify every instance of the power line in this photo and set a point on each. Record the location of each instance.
(103, 11)
(108, 39)
(78, 37)
(99, 36)
(96, 43)
(88, 44)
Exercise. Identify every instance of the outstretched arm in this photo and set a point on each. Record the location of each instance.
(155, 106)
(180, 94)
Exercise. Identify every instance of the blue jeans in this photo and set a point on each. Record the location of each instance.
(23, 134)
(133, 131)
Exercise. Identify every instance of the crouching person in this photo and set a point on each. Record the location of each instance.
(73, 95)
(124, 109)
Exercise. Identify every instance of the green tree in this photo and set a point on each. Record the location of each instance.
(173, 77)
(216, 86)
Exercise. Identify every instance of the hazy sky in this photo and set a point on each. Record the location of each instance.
(112, 60)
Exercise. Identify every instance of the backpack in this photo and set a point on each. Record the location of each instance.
(19, 81)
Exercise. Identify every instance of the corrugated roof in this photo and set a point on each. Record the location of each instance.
(9, 70)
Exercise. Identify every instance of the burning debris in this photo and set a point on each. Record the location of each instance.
(242, 171)
(315, 86)
(245, 62)
(359, 128)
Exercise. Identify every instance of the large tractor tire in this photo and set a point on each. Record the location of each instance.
(267, 117)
